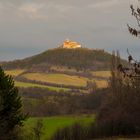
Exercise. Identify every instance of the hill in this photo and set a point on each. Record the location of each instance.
(79, 59)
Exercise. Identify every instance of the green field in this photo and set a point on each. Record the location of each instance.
(57, 78)
(64, 79)
(28, 85)
(51, 124)
(60, 79)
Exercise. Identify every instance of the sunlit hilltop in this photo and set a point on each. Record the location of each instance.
(70, 44)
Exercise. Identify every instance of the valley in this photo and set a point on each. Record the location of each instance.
(69, 70)
(61, 87)
(58, 81)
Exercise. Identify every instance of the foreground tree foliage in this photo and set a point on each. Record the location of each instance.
(11, 115)
(121, 110)
(136, 14)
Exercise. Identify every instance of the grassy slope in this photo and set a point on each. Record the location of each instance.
(65, 79)
(51, 124)
(57, 78)
(14, 72)
(27, 85)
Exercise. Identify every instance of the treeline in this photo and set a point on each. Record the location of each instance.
(79, 59)
(43, 102)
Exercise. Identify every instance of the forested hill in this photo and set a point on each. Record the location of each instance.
(79, 59)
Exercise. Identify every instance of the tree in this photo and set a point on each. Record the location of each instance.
(38, 129)
(115, 116)
(124, 97)
(10, 106)
(122, 105)
(133, 69)
(136, 14)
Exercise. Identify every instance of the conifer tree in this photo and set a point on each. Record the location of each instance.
(10, 106)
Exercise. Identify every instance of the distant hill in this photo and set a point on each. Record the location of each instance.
(79, 59)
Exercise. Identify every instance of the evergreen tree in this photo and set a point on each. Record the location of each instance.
(10, 106)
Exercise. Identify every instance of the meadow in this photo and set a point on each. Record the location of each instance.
(60, 79)
(29, 85)
(51, 124)
(57, 78)
(14, 72)
(65, 79)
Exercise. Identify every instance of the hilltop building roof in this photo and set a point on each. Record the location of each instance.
(70, 44)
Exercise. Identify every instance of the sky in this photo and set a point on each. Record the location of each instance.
(29, 27)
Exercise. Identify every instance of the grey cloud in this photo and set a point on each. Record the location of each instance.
(37, 25)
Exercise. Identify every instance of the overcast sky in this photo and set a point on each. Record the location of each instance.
(28, 27)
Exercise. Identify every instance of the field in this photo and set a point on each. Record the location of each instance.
(14, 72)
(101, 83)
(28, 85)
(102, 74)
(51, 124)
(60, 79)
(64, 79)
(57, 78)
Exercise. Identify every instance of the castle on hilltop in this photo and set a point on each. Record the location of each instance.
(70, 44)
